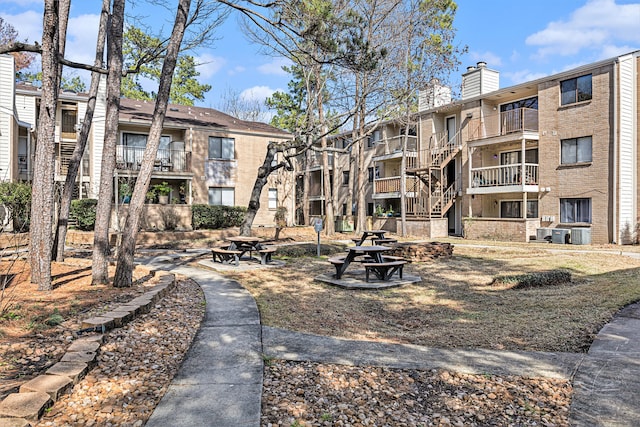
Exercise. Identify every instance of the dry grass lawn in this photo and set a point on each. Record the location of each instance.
(456, 304)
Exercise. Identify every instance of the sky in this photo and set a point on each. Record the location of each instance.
(523, 40)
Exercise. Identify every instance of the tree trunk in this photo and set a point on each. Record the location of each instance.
(44, 167)
(261, 180)
(124, 268)
(361, 193)
(76, 158)
(306, 182)
(101, 248)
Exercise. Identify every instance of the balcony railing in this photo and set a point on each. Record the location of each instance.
(392, 184)
(130, 158)
(393, 145)
(518, 120)
(505, 175)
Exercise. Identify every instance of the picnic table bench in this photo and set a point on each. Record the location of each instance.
(265, 254)
(226, 256)
(384, 241)
(383, 270)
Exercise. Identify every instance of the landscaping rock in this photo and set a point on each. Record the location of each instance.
(53, 385)
(30, 405)
(420, 252)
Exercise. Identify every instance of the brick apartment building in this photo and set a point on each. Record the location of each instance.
(205, 156)
(513, 164)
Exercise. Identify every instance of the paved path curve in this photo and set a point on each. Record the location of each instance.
(220, 381)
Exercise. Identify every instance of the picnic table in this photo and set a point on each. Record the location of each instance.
(374, 262)
(370, 234)
(238, 246)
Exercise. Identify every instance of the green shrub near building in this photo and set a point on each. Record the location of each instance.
(207, 217)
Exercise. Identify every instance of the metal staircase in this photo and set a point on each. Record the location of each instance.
(430, 200)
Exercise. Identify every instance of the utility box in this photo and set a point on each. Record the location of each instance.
(581, 236)
(543, 234)
(343, 224)
(560, 235)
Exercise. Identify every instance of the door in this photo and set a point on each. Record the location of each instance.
(451, 129)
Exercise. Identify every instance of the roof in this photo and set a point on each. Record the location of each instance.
(134, 111)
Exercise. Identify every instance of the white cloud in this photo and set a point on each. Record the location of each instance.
(209, 65)
(257, 93)
(595, 26)
(28, 25)
(275, 67)
(490, 58)
(82, 33)
(238, 69)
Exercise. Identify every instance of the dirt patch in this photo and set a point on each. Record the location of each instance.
(37, 326)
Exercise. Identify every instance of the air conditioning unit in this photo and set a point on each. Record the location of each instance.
(581, 236)
(543, 234)
(560, 235)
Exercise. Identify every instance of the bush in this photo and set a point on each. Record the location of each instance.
(529, 280)
(310, 249)
(16, 197)
(84, 212)
(209, 217)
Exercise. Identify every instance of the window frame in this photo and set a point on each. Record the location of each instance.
(530, 204)
(222, 140)
(578, 217)
(273, 201)
(232, 190)
(345, 177)
(576, 141)
(574, 86)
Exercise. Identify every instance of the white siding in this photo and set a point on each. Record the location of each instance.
(7, 90)
(97, 137)
(470, 85)
(627, 147)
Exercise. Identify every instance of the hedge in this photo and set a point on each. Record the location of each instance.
(209, 217)
(84, 212)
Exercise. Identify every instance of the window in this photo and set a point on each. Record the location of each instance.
(376, 135)
(513, 209)
(369, 209)
(273, 198)
(576, 150)
(69, 120)
(370, 170)
(575, 210)
(575, 90)
(345, 178)
(344, 209)
(220, 196)
(140, 140)
(221, 148)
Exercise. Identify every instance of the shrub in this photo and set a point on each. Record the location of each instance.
(16, 197)
(84, 212)
(529, 280)
(216, 217)
(309, 249)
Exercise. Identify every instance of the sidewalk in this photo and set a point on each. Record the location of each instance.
(220, 381)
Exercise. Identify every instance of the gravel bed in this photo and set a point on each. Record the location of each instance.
(135, 365)
(137, 362)
(311, 394)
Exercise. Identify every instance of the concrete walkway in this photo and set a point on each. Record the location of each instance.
(220, 381)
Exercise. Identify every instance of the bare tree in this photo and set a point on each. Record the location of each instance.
(76, 158)
(101, 247)
(244, 108)
(8, 35)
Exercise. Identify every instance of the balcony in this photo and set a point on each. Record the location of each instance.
(512, 124)
(167, 160)
(390, 187)
(392, 147)
(504, 179)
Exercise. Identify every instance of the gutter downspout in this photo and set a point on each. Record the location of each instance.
(616, 234)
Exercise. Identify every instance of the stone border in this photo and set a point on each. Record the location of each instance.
(40, 393)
